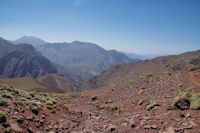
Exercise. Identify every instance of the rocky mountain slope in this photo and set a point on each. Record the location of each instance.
(22, 60)
(82, 60)
(57, 83)
(131, 71)
(166, 102)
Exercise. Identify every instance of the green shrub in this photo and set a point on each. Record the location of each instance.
(118, 111)
(187, 100)
(28, 96)
(66, 105)
(182, 96)
(179, 85)
(109, 102)
(49, 107)
(152, 105)
(34, 109)
(191, 69)
(141, 90)
(49, 102)
(189, 89)
(22, 98)
(2, 113)
(3, 102)
(20, 119)
(32, 94)
(195, 101)
(6, 95)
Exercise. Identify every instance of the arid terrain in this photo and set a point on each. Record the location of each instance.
(148, 104)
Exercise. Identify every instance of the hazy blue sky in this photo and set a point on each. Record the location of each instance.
(138, 26)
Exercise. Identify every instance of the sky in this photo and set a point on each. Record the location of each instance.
(134, 26)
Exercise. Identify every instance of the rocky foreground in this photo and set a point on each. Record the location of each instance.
(166, 103)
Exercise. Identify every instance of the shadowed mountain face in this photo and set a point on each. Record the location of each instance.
(80, 60)
(132, 71)
(22, 60)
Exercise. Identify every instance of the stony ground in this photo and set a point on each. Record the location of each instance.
(145, 105)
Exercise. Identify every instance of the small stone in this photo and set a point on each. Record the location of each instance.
(20, 120)
(16, 128)
(30, 130)
(192, 123)
(170, 130)
(150, 127)
(6, 125)
(140, 102)
(171, 108)
(133, 125)
(187, 115)
(30, 118)
(112, 128)
(7, 130)
(43, 116)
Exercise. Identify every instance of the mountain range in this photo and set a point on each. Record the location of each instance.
(23, 60)
(78, 61)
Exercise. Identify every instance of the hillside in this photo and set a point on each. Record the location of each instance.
(22, 60)
(25, 83)
(166, 102)
(132, 71)
(57, 83)
(82, 60)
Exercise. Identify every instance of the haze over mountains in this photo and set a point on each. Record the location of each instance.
(78, 61)
(132, 71)
(30, 40)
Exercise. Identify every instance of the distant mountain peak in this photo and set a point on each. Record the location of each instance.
(30, 40)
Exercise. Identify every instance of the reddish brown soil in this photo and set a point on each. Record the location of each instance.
(118, 108)
(194, 79)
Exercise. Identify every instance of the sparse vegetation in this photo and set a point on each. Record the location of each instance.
(22, 98)
(141, 90)
(189, 89)
(195, 101)
(6, 95)
(191, 69)
(28, 97)
(2, 113)
(187, 100)
(94, 98)
(35, 109)
(152, 105)
(182, 100)
(51, 101)
(32, 94)
(179, 85)
(20, 119)
(118, 111)
(49, 107)
(109, 102)
(3, 102)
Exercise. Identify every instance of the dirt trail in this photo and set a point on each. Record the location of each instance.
(193, 79)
